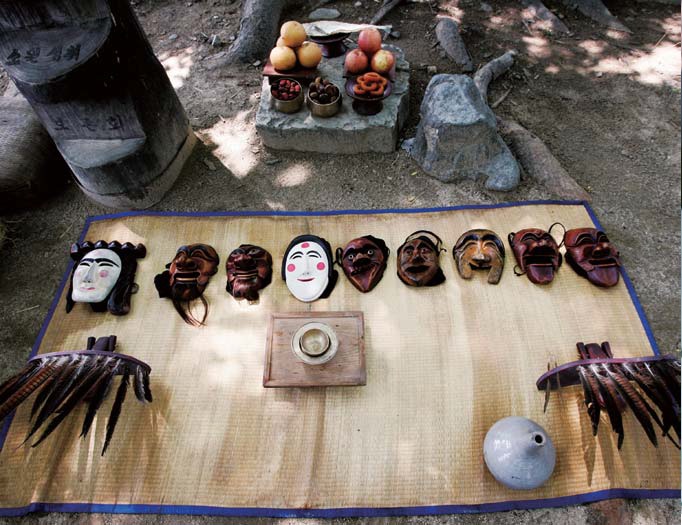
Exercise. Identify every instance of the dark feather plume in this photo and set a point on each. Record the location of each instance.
(116, 410)
(609, 394)
(591, 390)
(24, 388)
(97, 395)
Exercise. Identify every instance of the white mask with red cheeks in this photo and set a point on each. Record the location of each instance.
(306, 271)
(95, 276)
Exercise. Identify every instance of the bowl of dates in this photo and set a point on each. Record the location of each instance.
(287, 95)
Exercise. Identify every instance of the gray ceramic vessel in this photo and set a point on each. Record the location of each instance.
(519, 453)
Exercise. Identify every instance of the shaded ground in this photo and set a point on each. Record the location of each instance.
(607, 106)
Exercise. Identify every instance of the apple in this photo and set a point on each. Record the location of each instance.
(356, 61)
(370, 40)
(382, 61)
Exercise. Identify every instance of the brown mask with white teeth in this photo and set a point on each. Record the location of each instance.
(591, 254)
(480, 250)
(187, 277)
(537, 254)
(249, 270)
(363, 261)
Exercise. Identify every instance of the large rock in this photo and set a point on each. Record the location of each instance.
(344, 133)
(457, 136)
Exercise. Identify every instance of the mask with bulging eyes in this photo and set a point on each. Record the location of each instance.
(480, 249)
(249, 270)
(103, 275)
(186, 279)
(537, 254)
(418, 263)
(363, 261)
(590, 253)
(307, 268)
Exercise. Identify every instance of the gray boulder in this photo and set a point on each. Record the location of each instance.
(457, 136)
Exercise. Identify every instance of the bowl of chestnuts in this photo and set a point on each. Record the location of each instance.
(324, 98)
(287, 95)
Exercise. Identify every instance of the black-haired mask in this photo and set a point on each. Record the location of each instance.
(418, 260)
(363, 261)
(307, 268)
(590, 253)
(480, 249)
(186, 279)
(249, 270)
(103, 275)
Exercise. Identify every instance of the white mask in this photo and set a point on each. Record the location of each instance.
(95, 276)
(307, 271)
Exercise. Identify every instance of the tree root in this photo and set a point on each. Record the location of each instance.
(598, 12)
(386, 7)
(538, 162)
(447, 32)
(537, 9)
(491, 71)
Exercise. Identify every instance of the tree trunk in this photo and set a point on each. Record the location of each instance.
(447, 32)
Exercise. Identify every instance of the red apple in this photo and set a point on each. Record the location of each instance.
(382, 61)
(370, 40)
(356, 61)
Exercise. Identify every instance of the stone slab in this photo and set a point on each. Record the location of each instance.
(347, 132)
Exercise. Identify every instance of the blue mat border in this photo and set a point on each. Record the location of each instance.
(338, 512)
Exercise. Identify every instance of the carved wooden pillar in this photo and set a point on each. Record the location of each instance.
(91, 76)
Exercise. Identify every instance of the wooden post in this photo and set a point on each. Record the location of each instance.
(92, 78)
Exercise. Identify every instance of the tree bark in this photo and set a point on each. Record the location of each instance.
(385, 8)
(447, 32)
(538, 10)
(598, 12)
(491, 71)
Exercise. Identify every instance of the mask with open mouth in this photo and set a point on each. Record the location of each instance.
(479, 249)
(186, 279)
(307, 268)
(591, 255)
(418, 259)
(537, 254)
(249, 270)
(363, 261)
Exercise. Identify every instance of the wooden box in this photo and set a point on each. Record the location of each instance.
(284, 369)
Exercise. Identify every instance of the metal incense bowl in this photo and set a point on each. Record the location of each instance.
(315, 343)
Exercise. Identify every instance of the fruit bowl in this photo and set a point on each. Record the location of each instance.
(324, 98)
(286, 95)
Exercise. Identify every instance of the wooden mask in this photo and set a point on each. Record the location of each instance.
(249, 270)
(480, 250)
(590, 253)
(307, 268)
(187, 277)
(363, 261)
(418, 259)
(103, 275)
(537, 254)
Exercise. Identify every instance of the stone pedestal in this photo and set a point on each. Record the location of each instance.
(346, 132)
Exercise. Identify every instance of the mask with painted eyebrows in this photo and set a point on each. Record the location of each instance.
(418, 263)
(363, 261)
(249, 270)
(537, 254)
(480, 250)
(186, 279)
(590, 253)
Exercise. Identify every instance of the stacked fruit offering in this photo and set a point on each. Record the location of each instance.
(369, 54)
(292, 48)
(285, 89)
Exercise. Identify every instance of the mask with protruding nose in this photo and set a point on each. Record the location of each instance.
(590, 253)
(537, 254)
(479, 249)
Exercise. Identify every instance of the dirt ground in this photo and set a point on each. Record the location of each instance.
(605, 103)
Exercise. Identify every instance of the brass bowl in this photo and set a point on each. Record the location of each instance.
(315, 343)
(324, 110)
(288, 106)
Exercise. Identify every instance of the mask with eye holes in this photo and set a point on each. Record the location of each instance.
(479, 250)
(537, 254)
(418, 263)
(249, 270)
(590, 253)
(307, 268)
(186, 279)
(363, 261)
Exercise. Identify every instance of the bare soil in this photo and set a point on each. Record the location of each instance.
(606, 104)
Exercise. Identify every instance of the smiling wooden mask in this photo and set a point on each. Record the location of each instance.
(479, 249)
(418, 259)
(590, 253)
(537, 254)
(249, 270)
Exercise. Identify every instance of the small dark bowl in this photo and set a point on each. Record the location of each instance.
(324, 110)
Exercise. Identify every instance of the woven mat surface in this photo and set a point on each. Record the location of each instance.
(443, 364)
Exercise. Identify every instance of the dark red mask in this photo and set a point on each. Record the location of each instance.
(363, 261)
(591, 254)
(537, 254)
(418, 263)
(249, 270)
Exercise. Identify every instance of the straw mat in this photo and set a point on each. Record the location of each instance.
(443, 364)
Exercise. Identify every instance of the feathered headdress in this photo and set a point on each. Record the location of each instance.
(64, 379)
(612, 384)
